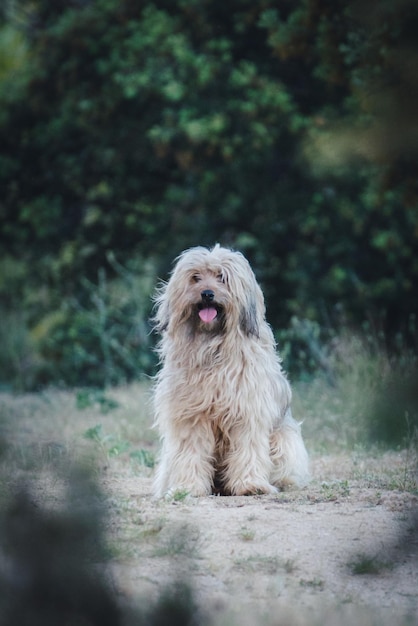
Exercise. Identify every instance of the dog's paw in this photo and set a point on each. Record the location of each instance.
(254, 489)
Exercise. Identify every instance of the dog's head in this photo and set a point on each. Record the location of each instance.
(210, 291)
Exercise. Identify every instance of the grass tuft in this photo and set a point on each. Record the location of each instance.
(365, 564)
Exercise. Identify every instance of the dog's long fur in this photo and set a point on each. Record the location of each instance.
(222, 401)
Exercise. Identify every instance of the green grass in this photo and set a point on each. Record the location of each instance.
(180, 495)
(265, 564)
(314, 583)
(247, 534)
(374, 399)
(364, 564)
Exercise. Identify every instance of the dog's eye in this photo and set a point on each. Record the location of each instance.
(221, 278)
(196, 278)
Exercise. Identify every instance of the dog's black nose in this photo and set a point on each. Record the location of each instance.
(207, 295)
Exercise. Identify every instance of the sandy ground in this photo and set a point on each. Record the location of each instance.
(294, 553)
(342, 550)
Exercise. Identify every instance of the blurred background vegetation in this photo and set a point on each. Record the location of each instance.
(130, 131)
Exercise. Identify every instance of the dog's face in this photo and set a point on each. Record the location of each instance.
(211, 291)
(207, 299)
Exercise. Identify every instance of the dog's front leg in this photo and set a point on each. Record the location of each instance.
(247, 466)
(187, 463)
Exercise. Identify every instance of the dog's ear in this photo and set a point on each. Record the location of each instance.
(161, 318)
(248, 319)
(161, 325)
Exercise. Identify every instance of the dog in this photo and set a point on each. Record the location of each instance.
(221, 398)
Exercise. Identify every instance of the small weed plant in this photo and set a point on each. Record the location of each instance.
(111, 446)
(366, 564)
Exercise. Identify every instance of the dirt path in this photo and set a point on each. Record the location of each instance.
(295, 552)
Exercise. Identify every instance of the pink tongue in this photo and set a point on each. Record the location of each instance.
(207, 315)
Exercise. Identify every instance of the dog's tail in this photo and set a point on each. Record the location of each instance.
(289, 455)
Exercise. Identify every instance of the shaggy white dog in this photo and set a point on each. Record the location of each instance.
(222, 401)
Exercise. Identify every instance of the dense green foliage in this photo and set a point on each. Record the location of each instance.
(130, 131)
